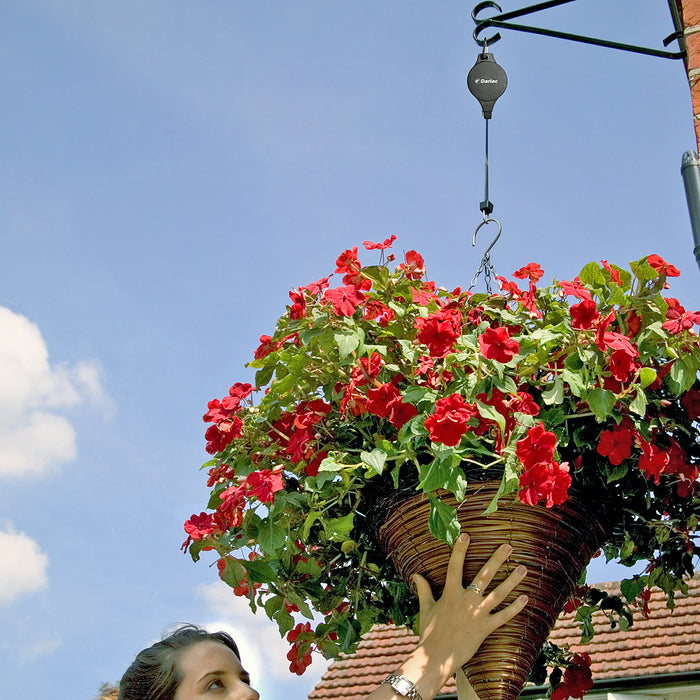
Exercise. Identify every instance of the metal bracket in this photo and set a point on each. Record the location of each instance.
(501, 21)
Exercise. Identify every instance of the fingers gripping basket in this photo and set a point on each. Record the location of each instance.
(555, 544)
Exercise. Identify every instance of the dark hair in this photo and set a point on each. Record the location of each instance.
(154, 674)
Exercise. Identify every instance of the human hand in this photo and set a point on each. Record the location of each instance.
(453, 628)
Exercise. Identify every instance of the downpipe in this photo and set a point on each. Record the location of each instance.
(690, 170)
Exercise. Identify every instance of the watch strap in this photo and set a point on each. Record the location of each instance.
(403, 686)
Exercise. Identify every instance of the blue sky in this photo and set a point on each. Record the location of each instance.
(172, 168)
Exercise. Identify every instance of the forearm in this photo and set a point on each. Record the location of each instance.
(427, 676)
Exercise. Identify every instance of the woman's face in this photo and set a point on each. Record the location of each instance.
(211, 671)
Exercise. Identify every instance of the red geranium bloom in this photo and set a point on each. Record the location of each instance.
(508, 287)
(368, 369)
(691, 403)
(616, 444)
(439, 331)
(621, 364)
(653, 461)
(379, 246)
(222, 434)
(376, 310)
(298, 308)
(264, 484)
(315, 288)
(379, 400)
(265, 348)
(577, 679)
(344, 299)
(662, 267)
(414, 267)
(614, 274)
(583, 315)
(531, 271)
(677, 318)
(536, 447)
(575, 289)
(347, 263)
(449, 422)
(545, 481)
(496, 344)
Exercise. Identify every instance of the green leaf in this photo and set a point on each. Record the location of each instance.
(615, 473)
(593, 276)
(376, 459)
(491, 413)
(601, 402)
(271, 537)
(555, 393)
(683, 374)
(347, 342)
(639, 403)
(647, 376)
(338, 529)
(443, 521)
(631, 588)
(328, 464)
(575, 381)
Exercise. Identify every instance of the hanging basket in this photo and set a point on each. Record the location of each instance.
(555, 544)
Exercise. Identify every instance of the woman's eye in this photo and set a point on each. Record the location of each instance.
(216, 684)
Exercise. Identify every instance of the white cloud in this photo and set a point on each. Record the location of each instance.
(34, 438)
(22, 566)
(264, 652)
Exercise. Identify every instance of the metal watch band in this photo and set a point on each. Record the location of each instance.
(403, 686)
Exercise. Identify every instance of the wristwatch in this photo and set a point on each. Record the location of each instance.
(403, 686)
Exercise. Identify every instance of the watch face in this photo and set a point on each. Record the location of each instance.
(402, 686)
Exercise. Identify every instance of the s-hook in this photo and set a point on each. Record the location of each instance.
(486, 266)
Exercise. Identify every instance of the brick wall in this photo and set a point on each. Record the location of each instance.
(690, 13)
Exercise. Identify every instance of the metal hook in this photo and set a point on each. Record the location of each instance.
(485, 5)
(498, 235)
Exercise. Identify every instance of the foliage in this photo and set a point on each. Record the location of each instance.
(387, 383)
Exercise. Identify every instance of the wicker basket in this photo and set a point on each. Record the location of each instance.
(555, 544)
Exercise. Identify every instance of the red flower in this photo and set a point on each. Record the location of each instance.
(536, 447)
(509, 287)
(691, 403)
(614, 274)
(379, 246)
(376, 310)
(386, 401)
(616, 444)
(496, 344)
(264, 484)
(575, 289)
(315, 463)
(347, 263)
(439, 331)
(298, 308)
(222, 434)
(662, 267)
(414, 267)
(449, 422)
(368, 369)
(266, 347)
(531, 271)
(300, 653)
(583, 315)
(653, 461)
(621, 364)
(344, 299)
(379, 400)
(577, 679)
(315, 288)
(545, 481)
(677, 318)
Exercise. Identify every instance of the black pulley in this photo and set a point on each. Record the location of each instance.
(487, 81)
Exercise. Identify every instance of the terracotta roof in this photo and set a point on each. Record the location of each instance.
(666, 643)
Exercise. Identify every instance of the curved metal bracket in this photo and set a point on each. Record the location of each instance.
(501, 21)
